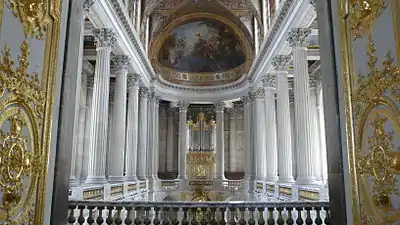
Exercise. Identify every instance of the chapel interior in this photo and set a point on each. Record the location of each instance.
(200, 112)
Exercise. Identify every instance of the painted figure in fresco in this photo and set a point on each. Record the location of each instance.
(202, 46)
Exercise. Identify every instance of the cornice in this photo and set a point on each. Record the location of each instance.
(292, 14)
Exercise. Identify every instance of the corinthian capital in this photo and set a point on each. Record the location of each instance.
(104, 37)
(281, 62)
(133, 79)
(315, 80)
(87, 4)
(269, 80)
(259, 93)
(143, 92)
(219, 106)
(121, 62)
(182, 106)
(298, 37)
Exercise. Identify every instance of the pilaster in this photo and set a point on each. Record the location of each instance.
(142, 141)
(220, 170)
(182, 140)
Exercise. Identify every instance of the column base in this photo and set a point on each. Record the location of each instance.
(285, 180)
(309, 180)
(94, 180)
(141, 178)
(115, 179)
(272, 179)
(131, 178)
(73, 182)
(183, 184)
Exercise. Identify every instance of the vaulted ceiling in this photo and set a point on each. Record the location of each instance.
(201, 42)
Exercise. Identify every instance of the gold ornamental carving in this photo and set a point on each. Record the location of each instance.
(363, 13)
(32, 14)
(22, 102)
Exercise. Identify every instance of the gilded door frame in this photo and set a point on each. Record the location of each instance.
(355, 23)
(40, 20)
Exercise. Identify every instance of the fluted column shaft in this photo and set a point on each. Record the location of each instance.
(156, 147)
(132, 128)
(232, 141)
(105, 39)
(118, 129)
(170, 140)
(142, 143)
(284, 140)
(88, 121)
(249, 157)
(270, 129)
(259, 134)
(182, 141)
(315, 145)
(150, 135)
(220, 170)
(321, 131)
(298, 40)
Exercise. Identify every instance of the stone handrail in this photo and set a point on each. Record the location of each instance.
(198, 213)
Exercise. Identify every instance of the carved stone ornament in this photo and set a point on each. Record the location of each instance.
(314, 4)
(219, 106)
(104, 37)
(245, 100)
(122, 62)
(281, 62)
(183, 106)
(315, 80)
(269, 80)
(87, 4)
(143, 92)
(133, 79)
(291, 96)
(298, 37)
(259, 93)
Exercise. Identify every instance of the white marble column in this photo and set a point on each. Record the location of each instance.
(142, 136)
(315, 129)
(270, 128)
(259, 134)
(220, 173)
(298, 40)
(293, 130)
(132, 128)
(264, 11)
(248, 152)
(284, 140)
(213, 133)
(118, 129)
(105, 39)
(150, 134)
(232, 140)
(182, 141)
(138, 16)
(156, 136)
(88, 121)
(170, 139)
(321, 131)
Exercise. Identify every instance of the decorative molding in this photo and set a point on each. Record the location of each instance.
(104, 37)
(314, 4)
(281, 62)
(121, 62)
(298, 37)
(87, 4)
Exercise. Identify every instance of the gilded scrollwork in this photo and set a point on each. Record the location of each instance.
(363, 14)
(22, 103)
(32, 14)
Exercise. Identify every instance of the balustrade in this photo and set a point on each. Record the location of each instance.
(198, 213)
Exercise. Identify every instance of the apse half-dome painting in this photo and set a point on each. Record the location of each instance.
(202, 46)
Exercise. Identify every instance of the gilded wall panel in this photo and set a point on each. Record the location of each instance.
(371, 79)
(28, 56)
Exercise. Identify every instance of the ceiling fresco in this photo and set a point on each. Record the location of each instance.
(201, 46)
